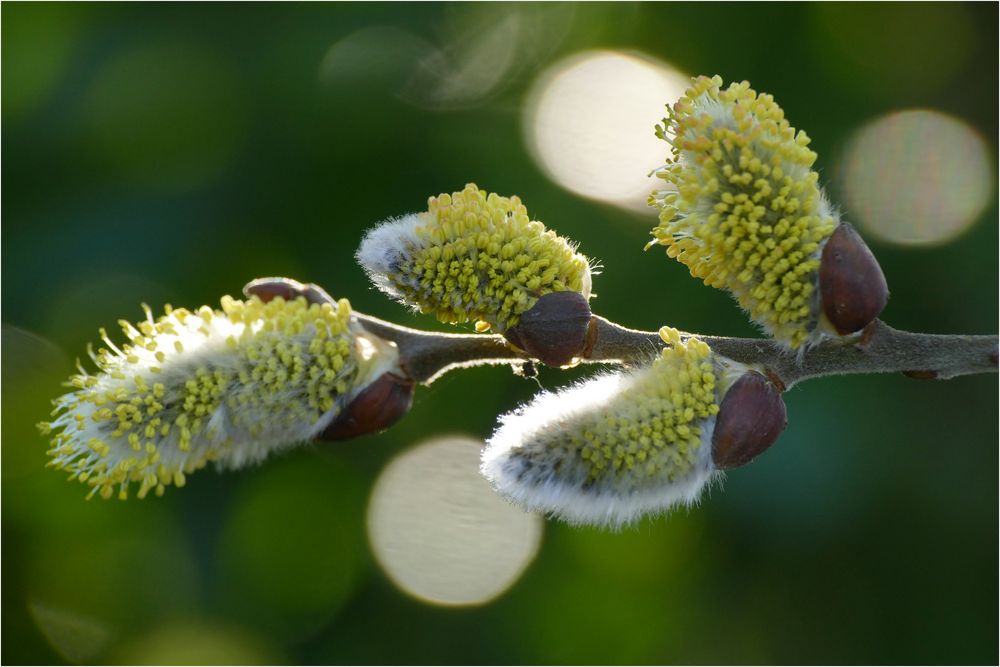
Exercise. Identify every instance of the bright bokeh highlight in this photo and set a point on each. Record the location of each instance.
(440, 533)
(483, 48)
(916, 177)
(589, 122)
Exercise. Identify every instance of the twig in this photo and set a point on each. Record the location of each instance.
(879, 349)
(426, 355)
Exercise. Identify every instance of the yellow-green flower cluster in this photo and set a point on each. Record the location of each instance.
(746, 212)
(614, 448)
(472, 256)
(229, 385)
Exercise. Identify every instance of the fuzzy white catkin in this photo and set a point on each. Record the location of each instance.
(472, 256)
(610, 450)
(745, 211)
(230, 386)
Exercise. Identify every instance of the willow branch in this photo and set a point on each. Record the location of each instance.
(426, 355)
(880, 348)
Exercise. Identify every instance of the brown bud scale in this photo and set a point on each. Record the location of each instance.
(556, 330)
(852, 286)
(380, 405)
(751, 417)
(267, 289)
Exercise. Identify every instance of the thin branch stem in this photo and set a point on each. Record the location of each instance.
(427, 355)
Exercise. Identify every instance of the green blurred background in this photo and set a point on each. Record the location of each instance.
(169, 153)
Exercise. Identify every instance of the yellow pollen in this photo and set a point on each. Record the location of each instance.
(747, 214)
(479, 257)
(241, 384)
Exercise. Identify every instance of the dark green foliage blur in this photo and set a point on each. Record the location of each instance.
(171, 152)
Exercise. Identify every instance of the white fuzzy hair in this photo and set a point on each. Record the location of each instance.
(385, 245)
(236, 433)
(551, 482)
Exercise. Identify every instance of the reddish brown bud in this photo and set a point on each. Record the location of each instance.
(556, 330)
(750, 419)
(266, 289)
(382, 403)
(851, 283)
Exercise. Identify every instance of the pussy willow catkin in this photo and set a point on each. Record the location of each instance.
(472, 256)
(612, 449)
(746, 212)
(229, 386)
